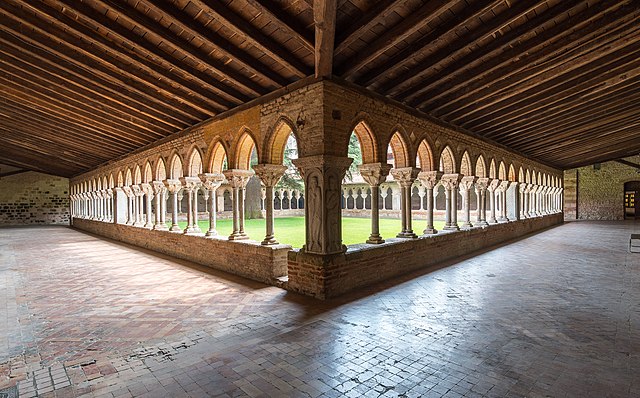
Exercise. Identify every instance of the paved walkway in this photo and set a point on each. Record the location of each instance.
(556, 314)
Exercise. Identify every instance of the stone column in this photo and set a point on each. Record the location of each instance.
(492, 187)
(270, 174)
(138, 207)
(211, 182)
(450, 183)
(191, 186)
(323, 176)
(481, 194)
(238, 179)
(466, 184)
(109, 192)
(522, 189)
(405, 176)
(374, 174)
(174, 186)
(539, 200)
(429, 180)
(129, 194)
(147, 220)
(159, 190)
(502, 194)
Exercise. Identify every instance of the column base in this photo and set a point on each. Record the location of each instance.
(212, 233)
(175, 228)
(160, 227)
(451, 227)
(430, 231)
(407, 235)
(503, 220)
(481, 223)
(269, 240)
(238, 236)
(466, 225)
(375, 239)
(149, 225)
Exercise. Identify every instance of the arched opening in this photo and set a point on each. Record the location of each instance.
(481, 167)
(175, 170)
(217, 158)
(137, 176)
(447, 161)
(195, 163)
(161, 170)
(492, 169)
(366, 141)
(502, 172)
(128, 179)
(512, 173)
(465, 165)
(520, 175)
(397, 152)
(424, 160)
(528, 177)
(120, 179)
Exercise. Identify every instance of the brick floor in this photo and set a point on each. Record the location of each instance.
(556, 314)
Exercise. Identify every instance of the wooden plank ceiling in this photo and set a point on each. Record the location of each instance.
(84, 82)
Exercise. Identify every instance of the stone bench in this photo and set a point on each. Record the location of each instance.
(634, 243)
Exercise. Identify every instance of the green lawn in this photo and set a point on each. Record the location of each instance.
(290, 230)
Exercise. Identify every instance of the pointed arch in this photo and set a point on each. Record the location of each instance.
(527, 177)
(111, 181)
(539, 178)
(137, 175)
(244, 148)
(161, 170)
(128, 179)
(481, 167)
(97, 184)
(216, 157)
(512, 173)
(148, 174)
(492, 169)
(175, 167)
(447, 161)
(465, 165)
(367, 140)
(105, 182)
(194, 165)
(502, 172)
(425, 156)
(520, 174)
(400, 150)
(278, 140)
(120, 179)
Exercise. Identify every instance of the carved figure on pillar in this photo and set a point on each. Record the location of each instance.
(405, 177)
(323, 176)
(270, 174)
(429, 180)
(375, 174)
(238, 179)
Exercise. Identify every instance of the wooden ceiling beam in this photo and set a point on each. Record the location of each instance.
(537, 124)
(224, 46)
(290, 25)
(324, 16)
(59, 94)
(551, 44)
(481, 58)
(38, 164)
(34, 151)
(83, 21)
(349, 68)
(405, 85)
(254, 36)
(353, 31)
(535, 81)
(108, 67)
(611, 71)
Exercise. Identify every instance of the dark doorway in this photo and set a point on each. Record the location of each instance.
(632, 200)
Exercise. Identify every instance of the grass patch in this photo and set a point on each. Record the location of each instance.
(290, 230)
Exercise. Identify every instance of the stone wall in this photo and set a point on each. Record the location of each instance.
(600, 192)
(364, 265)
(245, 258)
(34, 198)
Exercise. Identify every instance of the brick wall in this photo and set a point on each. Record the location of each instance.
(34, 198)
(325, 277)
(248, 259)
(599, 194)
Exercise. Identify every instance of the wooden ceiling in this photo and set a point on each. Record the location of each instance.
(83, 82)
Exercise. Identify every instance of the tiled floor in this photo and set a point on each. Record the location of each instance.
(556, 314)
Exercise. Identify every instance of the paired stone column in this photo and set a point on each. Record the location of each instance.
(147, 190)
(109, 193)
(450, 183)
(492, 188)
(211, 182)
(160, 191)
(466, 184)
(270, 174)
(429, 180)
(323, 176)
(405, 177)
(129, 194)
(539, 200)
(138, 206)
(238, 179)
(481, 197)
(191, 185)
(375, 174)
(174, 186)
(502, 194)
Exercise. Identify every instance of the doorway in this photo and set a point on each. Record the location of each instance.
(632, 200)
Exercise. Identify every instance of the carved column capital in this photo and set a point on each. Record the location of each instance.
(493, 185)
(128, 191)
(482, 184)
(429, 179)
(238, 178)
(450, 181)
(190, 184)
(322, 162)
(405, 176)
(147, 189)
(211, 181)
(374, 173)
(269, 174)
(466, 183)
(173, 186)
(539, 189)
(158, 187)
(504, 185)
(137, 190)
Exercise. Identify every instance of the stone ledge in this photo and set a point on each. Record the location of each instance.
(244, 258)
